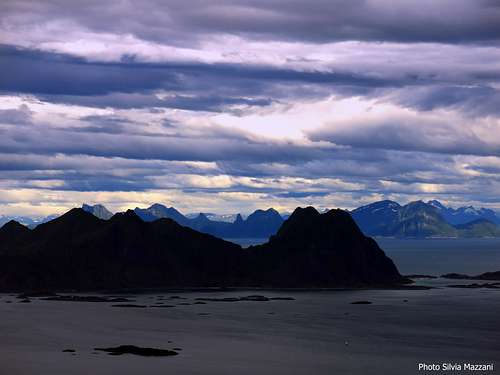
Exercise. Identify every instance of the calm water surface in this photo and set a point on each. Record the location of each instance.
(440, 256)
(433, 256)
(317, 333)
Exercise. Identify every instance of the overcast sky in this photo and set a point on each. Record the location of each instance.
(229, 106)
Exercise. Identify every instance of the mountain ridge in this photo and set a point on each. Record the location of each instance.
(384, 218)
(79, 251)
(259, 224)
(417, 219)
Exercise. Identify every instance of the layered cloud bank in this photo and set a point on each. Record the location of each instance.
(230, 106)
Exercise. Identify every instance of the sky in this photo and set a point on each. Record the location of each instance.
(230, 106)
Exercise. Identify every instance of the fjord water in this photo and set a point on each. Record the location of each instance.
(438, 256)
(320, 332)
(317, 333)
(434, 256)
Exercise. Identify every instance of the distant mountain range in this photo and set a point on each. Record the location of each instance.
(98, 210)
(383, 218)
(79, 251)
(464, 215)
(259, 224)
(27, 221)
(420, 219)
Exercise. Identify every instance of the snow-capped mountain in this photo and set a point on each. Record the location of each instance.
(465, 214)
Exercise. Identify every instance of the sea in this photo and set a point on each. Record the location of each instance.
(432, 256)
(316, 332)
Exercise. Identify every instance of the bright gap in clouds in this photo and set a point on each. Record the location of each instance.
(291, 121)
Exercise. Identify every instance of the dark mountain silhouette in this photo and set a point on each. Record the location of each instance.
(416, 219)
(313, 249)
(260, 224)
(79, 251)
(13, 235)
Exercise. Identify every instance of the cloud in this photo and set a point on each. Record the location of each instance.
(181, 22)
(477, 100)
(237, 88)
(410, 131)
(235, 105)
(194, 86)
(21, 115)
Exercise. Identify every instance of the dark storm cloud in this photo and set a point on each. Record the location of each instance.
(67, 79)
(476, 100)
(302, 194)
(354, 165)
(210, 146)
(409, 134)
(21, 115)
(178, 22)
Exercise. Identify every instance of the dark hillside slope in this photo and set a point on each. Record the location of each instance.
(79, 251)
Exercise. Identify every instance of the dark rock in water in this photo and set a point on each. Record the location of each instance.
(282, 299)
(493, 276)
(420, 276)
(361, 303)
(225, 299)
(67, 298)
(129, 305)
(136, 350)
(476, 286)
(176, 297)
(254, 298)
(489, 276)
(26, 300)
(199, 303)
(36, 295)
(456, 276)
(78, 251)
(177, 349)
(69, 351)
